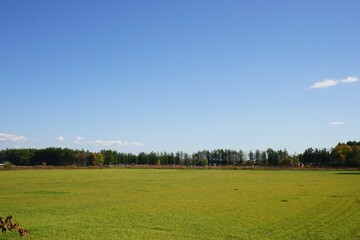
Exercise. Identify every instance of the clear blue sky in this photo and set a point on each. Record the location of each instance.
(179, 75)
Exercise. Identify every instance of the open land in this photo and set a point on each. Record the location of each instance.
(182, 204)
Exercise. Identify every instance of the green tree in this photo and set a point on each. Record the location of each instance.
(257, 156)
(251, 156)
(295, 160)
(110, 157)
(142, 158)
(99, 159)
(283, 157)
(272, 156)
(152, 158)
(241, 157)
(353, 159)
(234, 157)
(200, 158)
(264, 161)
(187, 159)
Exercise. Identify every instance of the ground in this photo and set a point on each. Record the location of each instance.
(182, 204)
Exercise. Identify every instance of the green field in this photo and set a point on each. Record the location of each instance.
(182, 204)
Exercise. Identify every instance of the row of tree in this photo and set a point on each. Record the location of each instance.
(50, 156)
(341, 155)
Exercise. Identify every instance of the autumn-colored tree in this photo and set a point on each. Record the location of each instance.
(354, 158)
(340, 154)
(96, 159)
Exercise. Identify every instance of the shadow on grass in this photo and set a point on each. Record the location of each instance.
(46, 192)
(348, 173)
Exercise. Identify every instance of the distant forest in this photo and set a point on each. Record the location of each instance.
(344, 154)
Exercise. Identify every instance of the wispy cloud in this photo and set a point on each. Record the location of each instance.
(115, 143)
(108, 143)
(333, 82)
(337, 123)
(61, 139)
(324, 84)
(79, 140)
(4, 137)
(350, 80)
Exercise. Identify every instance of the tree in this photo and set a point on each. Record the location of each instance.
(142, 158)
(200, 158)
(282, 157)
(241, 157)
(272, 156)
(171, 159)
(96, 159)
(308, 156)
(152, 158)
(343, 154)
(353, 158)
(233, 157)
(257, 156)
(353, 143)
(295, 160)
(110, 157)
(132, 158)
(99, 159)
(251, 156)
(264, 161)
(187, 159)
(340, 154)
(178, 159)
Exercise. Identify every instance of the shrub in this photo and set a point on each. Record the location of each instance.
(8, 166)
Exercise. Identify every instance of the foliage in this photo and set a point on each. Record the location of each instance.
(96, 159)
(342, 155)
(8, 166)
(354, 158)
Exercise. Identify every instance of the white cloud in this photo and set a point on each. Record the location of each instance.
(4, 137)
(350, 80)
(136, 144)
(333, 82)
(337, 123)
(79, 140)
(115, 143)
(324, 84)
(61, 139)
(108, 143)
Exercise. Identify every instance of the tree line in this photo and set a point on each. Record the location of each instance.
(344, 154)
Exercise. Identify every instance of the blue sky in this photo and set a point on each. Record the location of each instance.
(179, 75)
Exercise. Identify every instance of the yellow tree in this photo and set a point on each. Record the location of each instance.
(340, 154)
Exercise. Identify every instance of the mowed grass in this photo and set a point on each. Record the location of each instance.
(182, 204)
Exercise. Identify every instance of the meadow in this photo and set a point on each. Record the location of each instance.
(182, 204)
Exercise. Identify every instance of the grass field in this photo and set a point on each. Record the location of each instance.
(182, 204)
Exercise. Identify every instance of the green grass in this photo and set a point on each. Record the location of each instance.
(182, 204)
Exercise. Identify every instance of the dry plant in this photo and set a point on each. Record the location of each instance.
(7, 224)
